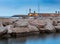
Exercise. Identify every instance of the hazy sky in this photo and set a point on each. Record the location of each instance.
(12, 7)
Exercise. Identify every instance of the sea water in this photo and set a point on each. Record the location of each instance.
(37, 39)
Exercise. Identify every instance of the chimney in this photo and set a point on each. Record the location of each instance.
(56, 12)
(34, 12)
(29, 10)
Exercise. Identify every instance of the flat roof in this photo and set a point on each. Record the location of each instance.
(19, 15)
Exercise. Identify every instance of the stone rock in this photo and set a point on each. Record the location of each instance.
(58, 20)
(9, 28)
(58, 24)
(22, 23)
(54, 21)
(6, 23)
(2, 30)
(1, 25)
(42, 29)
(37, 22)
(20, 30)
(13, 19)
(32, 28)
(4, 20)
(57, 27)
(49, 25)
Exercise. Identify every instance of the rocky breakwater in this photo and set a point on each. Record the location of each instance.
(44, 25)
(22, 27)
(40, 24)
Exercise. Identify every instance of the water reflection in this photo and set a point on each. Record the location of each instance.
(39, 39)
(4, 41)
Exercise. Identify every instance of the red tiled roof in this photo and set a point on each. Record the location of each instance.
(45, 15)
(48, 14)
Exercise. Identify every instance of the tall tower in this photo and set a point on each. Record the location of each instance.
(56, 12)
(29, 10)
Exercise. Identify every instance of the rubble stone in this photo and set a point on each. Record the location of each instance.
(49, 25)
(37, 22)
(22, 23)
(32, 28)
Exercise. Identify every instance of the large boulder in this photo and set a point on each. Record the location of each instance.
(1, 25)
(3, 30)
(49, 25)
(20, 30)
(14, 19)
(54, 21)
(57, 27)
(9, 28)
(37, 22)
(21, 23)
(4, 20)
(58, 20)
(58, 24)
(32, 28)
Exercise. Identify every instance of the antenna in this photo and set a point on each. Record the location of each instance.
(38, 7)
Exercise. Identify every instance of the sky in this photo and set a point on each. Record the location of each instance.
(15, 7)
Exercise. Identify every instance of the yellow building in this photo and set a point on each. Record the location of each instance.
(33, 14)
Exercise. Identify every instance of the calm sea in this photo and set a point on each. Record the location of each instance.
(37, 39)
